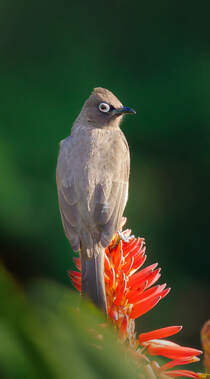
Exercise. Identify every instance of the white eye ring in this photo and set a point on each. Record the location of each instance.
(104, 107)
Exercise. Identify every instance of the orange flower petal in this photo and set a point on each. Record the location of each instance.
(117, 256)
(165, 293)
(179, 362)
(153, 277)
(128, 266)
(78, 286)
(185, 373)
(137, 278)
(159, 333)
(138, 262)
(143, 307)
(170, 349)
(77, 263)
(132, 294)
(132, 246)
(120, 292)
(156, 290)
(74, 274)
(112, 278)
(107, 265)
(137, 250)
(123, 326)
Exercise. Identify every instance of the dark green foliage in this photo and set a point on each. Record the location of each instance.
(45, 335)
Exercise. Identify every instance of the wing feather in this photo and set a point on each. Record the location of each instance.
(110, 204)
(92, 198)
(67, 197)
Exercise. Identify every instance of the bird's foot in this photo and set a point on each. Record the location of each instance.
(126, 235)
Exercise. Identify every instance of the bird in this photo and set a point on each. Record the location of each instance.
(92, 177)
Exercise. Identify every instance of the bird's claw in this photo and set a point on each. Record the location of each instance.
(125, 236)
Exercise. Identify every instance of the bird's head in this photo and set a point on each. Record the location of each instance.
(103, 109)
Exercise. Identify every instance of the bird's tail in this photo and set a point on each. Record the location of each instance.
(93, 278)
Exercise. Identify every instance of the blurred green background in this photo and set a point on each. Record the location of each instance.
(155, 56)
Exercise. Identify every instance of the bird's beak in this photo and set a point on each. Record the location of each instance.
(123, 110)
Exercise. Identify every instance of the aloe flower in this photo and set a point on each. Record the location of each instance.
(131, 292)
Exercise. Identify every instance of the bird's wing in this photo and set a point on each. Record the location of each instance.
(112, 194)
(67, 198)
(108, 175)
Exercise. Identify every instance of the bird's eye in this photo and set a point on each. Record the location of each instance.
(104, 107)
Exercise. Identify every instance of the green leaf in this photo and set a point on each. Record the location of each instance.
(50, 333)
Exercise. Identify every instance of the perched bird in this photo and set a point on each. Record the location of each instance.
(92, 182)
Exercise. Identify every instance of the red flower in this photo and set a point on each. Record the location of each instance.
(185, 373)
(175, 373)
(170, 349)
(159, 333)
(180, 355)
(131, 293)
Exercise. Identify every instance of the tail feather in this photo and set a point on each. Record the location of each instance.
(93, 278)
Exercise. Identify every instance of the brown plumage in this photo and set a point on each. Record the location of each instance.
(92, 181)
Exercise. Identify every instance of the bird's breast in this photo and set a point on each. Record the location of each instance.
(98, 150)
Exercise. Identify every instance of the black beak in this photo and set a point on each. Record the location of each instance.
(123, 110)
